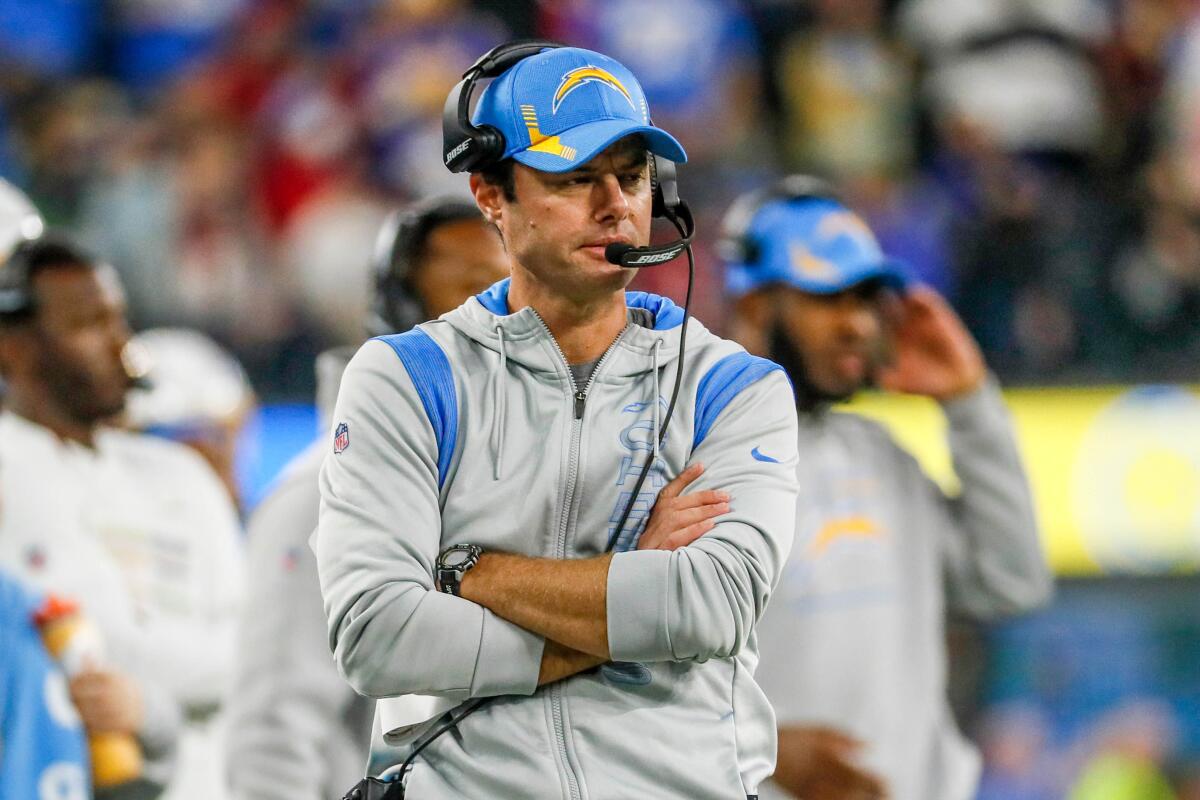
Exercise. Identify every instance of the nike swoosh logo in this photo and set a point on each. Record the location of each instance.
(759, 456)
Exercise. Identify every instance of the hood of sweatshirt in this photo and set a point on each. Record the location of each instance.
(524, 338)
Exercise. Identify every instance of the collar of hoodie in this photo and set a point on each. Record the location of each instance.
(524, 339)
(528, 342)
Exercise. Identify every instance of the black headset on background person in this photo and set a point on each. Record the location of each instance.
(468, 148)
(396, 305)
(736, 245)
(16, 291)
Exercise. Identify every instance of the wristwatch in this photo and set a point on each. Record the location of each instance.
(453, 563)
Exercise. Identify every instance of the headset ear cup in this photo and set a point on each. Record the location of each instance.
(665, 198)
(490, 146)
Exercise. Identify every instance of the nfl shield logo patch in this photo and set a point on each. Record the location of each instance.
(341, 437)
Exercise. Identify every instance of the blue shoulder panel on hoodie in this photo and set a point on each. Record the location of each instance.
(429, 369)
(723, 381)
(667, 315)
(495, 297)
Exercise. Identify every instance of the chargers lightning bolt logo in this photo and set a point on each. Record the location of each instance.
(581, 76)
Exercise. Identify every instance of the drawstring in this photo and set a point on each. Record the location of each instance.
(654, 400)
(500, 409)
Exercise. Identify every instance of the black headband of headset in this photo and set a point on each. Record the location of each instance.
(466, 147)
(395, 303)
(28, 257)
(735, 245)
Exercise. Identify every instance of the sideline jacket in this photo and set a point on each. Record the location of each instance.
(143, 535)
(297, 729)
(855, 635)
(469, 429)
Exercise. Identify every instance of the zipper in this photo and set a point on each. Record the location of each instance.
(579, 395)
(579, 398)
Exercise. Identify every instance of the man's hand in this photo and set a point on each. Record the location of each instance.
(678, 519)
(817, 763)
(935, 355)
(108, 702)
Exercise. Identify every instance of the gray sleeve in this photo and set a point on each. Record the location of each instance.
(289, 704)
(376, 544)
(993, 560)
(703, 600)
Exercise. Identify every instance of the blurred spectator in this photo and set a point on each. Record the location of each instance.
(1014, 740)
(406, 56)
(1017, 112)
(1132, 745)
(1152, 287)
(696, 60)
(193, 392)
(847, 94)
(153, 41)
(1181, 110)
(66, 134)
(51, 38)
(175, 219)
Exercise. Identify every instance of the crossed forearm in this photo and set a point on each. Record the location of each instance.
(564, 601)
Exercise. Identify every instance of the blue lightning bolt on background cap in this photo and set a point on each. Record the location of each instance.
(560, 108)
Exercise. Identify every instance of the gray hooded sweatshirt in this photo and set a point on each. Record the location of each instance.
(470, 429)
(855, 636)
(297, 731)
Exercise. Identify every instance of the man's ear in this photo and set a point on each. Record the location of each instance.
(489, 198)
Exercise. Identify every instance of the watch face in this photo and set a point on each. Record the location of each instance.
(456, 558)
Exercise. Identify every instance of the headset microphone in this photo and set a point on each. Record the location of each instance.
(651, 256)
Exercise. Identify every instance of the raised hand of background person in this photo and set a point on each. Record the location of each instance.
(679, 519)
(817, 763)
(933, 353)
(108, 702)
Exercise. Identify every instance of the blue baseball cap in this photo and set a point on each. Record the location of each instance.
(816, 245)
(560, 108)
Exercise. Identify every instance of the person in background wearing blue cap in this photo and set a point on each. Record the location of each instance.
(853, 653)
(470, 541)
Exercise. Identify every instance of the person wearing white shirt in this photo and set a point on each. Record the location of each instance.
(139, 530)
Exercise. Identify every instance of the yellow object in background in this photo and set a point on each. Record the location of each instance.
(1115, 471)
(116, 758)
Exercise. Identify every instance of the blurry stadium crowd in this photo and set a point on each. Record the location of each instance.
(1036, 162)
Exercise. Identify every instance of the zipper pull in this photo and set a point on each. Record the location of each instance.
(580, 398)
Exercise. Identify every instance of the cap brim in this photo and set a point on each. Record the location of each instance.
(585, 142)
(742, 280)
(889, 272)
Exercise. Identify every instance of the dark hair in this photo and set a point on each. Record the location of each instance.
(28, 260)
(501, 174)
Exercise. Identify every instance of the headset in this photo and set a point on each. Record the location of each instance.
(470, 148)
(736, 245)
(16, 292)
(396, 305)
